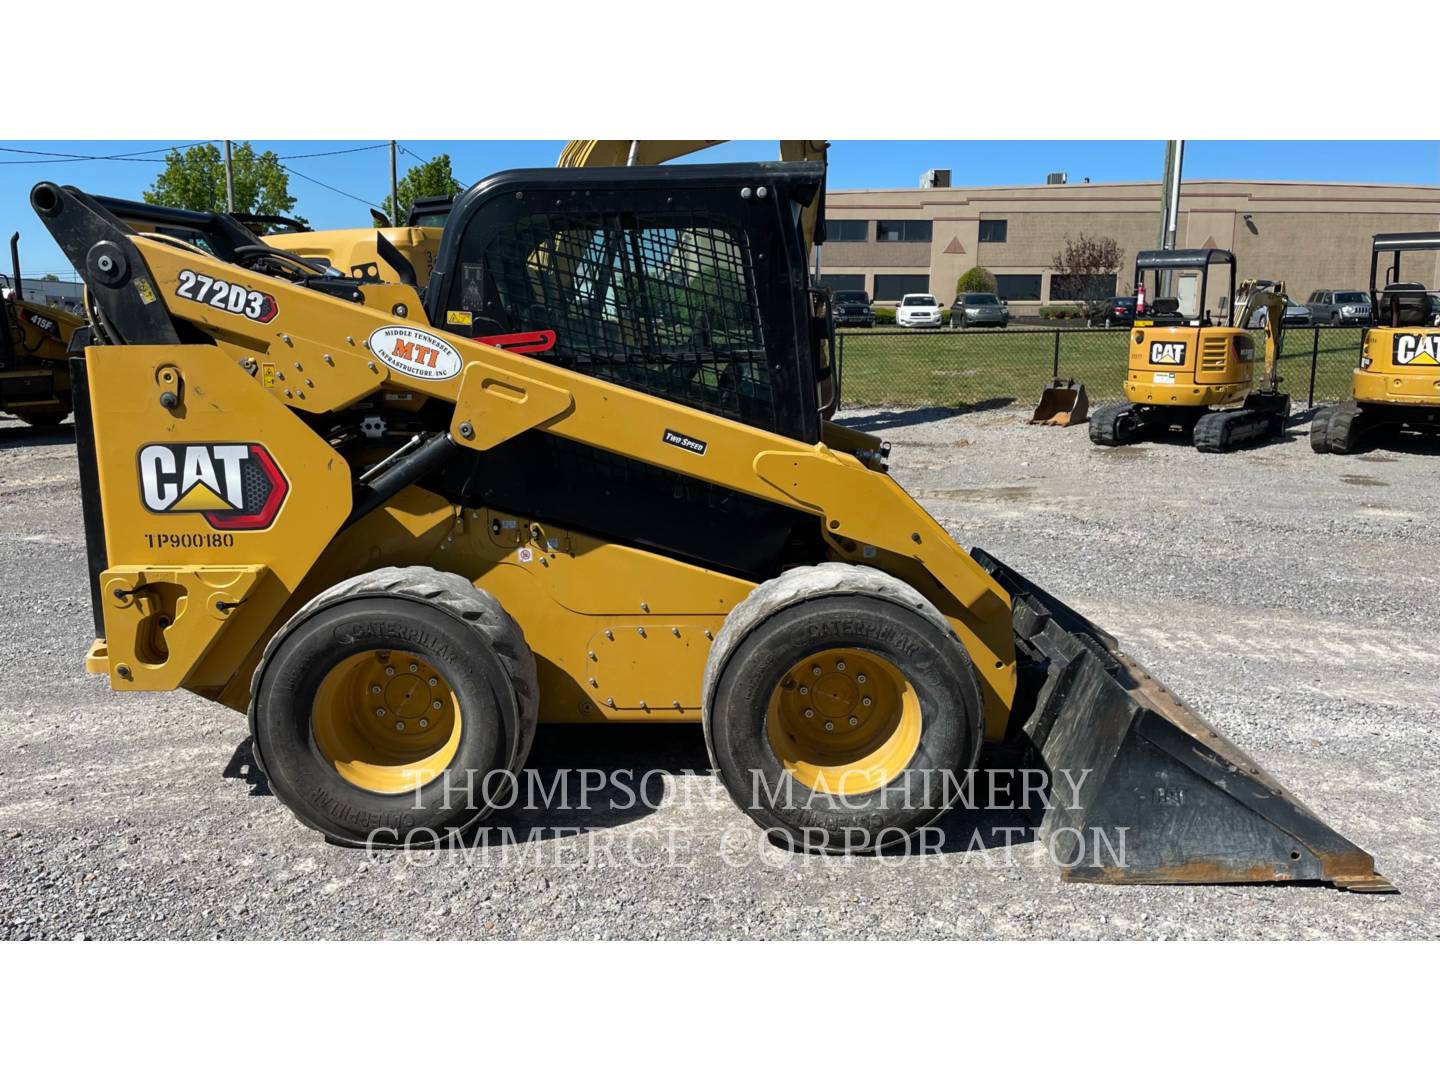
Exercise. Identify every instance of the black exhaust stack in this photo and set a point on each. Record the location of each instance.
(16, 279)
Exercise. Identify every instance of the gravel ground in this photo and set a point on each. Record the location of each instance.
(1288, 597)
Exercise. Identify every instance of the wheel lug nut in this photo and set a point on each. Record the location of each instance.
(865, 701)
(375, 689)
(860, 678)
(840, 666)
(433, 680)
(424, 723)
(804, 690)
(389, 671)
(829, 726)
(399, 725)
(815, 670)
(809, 714)
(435, 704)
(854, 721)
(379, 712)
(414, 667)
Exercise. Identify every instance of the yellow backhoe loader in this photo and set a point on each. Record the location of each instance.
(1396, 385)
(34, 352)
(398, 548)
(1185, 369)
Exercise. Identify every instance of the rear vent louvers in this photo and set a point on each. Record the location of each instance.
(1213, 353)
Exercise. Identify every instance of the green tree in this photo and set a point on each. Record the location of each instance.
(1085, 270)
(430, 178)
(976, 279)
(51, 277)
(194, 179)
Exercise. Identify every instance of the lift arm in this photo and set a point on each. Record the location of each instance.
(1250, 298)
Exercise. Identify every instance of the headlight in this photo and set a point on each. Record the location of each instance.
(1347, 311)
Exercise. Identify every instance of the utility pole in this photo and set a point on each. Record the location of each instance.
(1170, 203)
(229, 181)
(394, 188)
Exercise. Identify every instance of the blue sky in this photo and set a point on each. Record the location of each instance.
(362, 176)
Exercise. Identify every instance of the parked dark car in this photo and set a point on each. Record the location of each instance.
(1296, 313)
(852, 309)
(1339, 307)
(979, 309)
(1117, 311)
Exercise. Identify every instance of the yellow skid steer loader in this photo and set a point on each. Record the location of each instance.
(613, 497)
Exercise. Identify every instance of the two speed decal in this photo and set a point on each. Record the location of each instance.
(226, 296)
(685, 442)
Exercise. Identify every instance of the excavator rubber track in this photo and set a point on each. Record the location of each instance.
(1152, 794)
(1343, 429)
(1259, 420)
(1116, 425)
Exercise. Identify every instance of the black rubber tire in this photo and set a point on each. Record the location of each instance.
(834, 605)
(459, 630)
(1319, 432)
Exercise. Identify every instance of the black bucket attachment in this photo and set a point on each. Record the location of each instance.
(1143, 791)
(1063, 403)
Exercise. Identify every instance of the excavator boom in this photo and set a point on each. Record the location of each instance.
(1253, 297)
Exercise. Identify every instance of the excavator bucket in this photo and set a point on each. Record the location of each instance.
(1142, 790)
(1063, 403)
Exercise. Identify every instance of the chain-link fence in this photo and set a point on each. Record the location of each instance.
(968, 367)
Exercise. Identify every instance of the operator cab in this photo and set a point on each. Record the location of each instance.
(1179, 280)
(1399, 303)
(678, 281)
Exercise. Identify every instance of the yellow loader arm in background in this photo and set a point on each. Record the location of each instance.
(583, 153)
(1271, 299)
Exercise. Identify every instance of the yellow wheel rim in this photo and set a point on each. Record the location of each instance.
(387, 721)
(844, 721)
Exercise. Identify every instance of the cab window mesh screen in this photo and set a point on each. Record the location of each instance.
(666, 305)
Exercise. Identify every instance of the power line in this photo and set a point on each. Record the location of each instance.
(56, 157)
(424, 161)
(53, 156)
(333, 153)
(78, 160)
(327, 187)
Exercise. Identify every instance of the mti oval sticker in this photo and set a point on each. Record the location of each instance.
(415, 353)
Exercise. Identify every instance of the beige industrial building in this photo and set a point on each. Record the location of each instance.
(1309, 235)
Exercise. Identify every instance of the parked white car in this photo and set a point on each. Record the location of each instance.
(918, 310)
